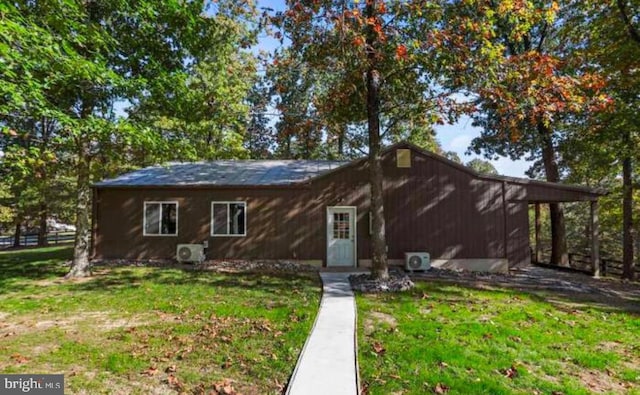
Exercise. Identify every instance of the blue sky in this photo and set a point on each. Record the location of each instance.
(457, 138)
(452, 137)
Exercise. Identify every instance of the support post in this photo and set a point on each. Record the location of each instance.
(595, 239)
(537, 236)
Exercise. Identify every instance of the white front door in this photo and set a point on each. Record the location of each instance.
(341, 236)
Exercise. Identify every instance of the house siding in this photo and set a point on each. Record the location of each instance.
(432, 206)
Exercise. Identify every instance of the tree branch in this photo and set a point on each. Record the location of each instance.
(543, 36)
(635, 35)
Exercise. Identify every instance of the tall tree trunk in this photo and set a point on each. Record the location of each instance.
(42, 229)
(17, 234)
(80, 265)
(45, 126)
(559, 254)
(379, 267)
(627, 215)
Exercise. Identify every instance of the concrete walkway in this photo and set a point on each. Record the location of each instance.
(327, 364)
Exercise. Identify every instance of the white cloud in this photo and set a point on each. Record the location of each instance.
(458, 137)
(508, 167)
(459, 143)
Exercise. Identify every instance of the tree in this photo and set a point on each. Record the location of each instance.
(28, 130)
(482, 166)
(260, 139)
(604, 37)
(95, 54)
(299, 129)
(380, 83)
(452, 156)
(203, 109)
(509, 61)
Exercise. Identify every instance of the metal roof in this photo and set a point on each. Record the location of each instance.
(225, 172)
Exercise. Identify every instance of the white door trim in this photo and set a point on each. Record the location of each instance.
(354, 229)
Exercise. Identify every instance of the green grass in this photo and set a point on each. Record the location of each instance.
(142, 330)
(460, 340)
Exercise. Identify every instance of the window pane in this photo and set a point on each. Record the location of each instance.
(341, 225)
(236, 218)
(169, 218)
(152, 218)
(220, 219)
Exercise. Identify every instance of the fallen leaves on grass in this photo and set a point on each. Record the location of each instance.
(151, 371)
(279, 385)
(19, 358)
(441, 389)
(174, 382)
(224, 387)
(511, 372)
(378, 348)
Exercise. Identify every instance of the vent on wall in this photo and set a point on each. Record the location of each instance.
(403, 157)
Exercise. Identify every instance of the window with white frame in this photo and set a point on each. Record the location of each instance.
(228, 219)
(160, 218)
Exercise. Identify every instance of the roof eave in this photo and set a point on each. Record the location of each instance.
(296, 185)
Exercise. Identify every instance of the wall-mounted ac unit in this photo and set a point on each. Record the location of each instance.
(417, 261)
(190, 253)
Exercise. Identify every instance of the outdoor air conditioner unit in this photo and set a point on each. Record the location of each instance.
(417, 261)
(190, 253)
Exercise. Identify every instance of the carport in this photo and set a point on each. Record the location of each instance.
(537, 193)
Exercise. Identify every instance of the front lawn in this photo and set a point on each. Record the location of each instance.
(442, 338)
(152, 330)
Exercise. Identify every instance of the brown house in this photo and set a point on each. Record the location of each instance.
(318, 211)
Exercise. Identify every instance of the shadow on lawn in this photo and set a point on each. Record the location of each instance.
(567, 299)
(18, 268)
(32, 264)
(126, 277)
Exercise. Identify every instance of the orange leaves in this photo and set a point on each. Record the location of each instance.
(298, 13)
(351, 13)
(401, 52)
(533, 88)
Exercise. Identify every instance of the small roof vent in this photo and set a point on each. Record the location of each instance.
(403, 158)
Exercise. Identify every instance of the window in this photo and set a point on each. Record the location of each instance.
(341, 225)
(160, 218)
(228, 219)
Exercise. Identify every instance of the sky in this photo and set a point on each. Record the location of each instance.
(455, 137)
